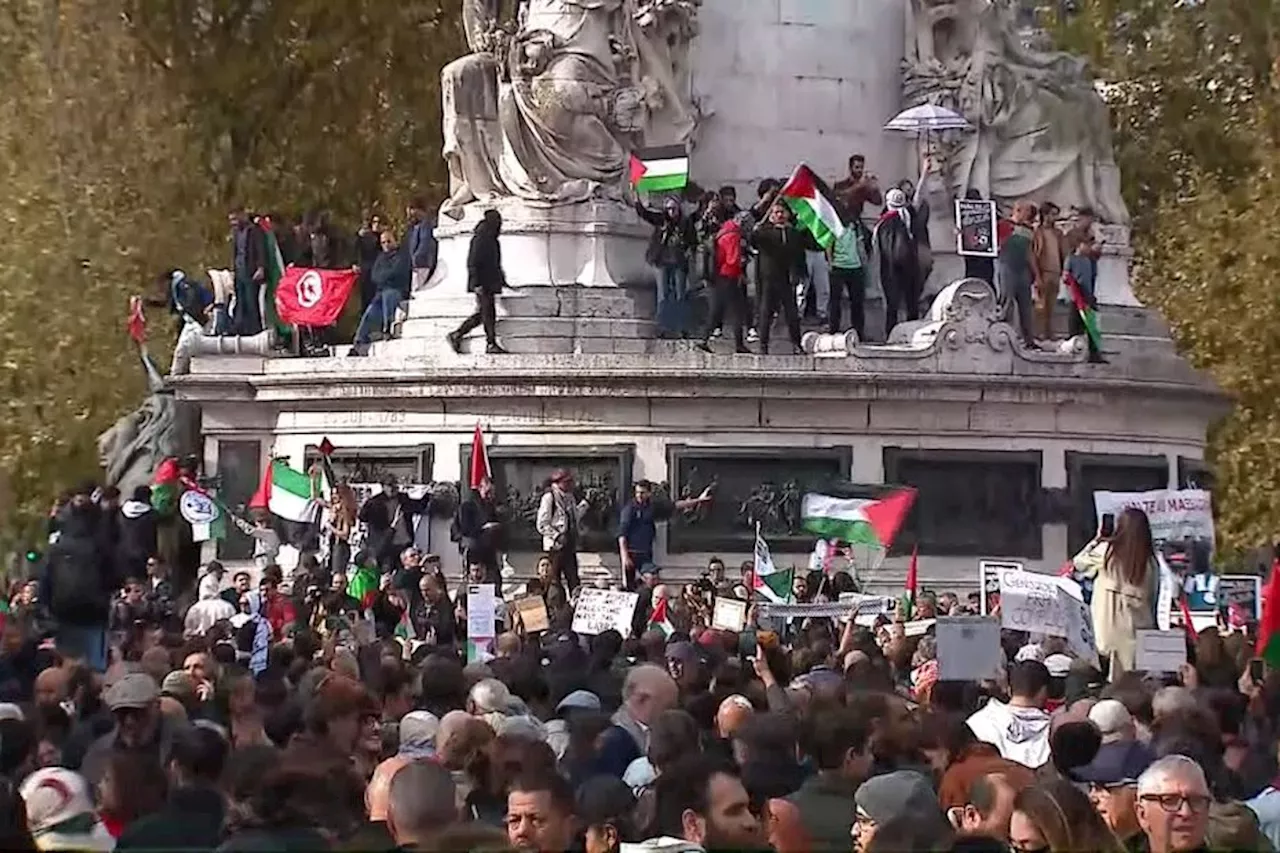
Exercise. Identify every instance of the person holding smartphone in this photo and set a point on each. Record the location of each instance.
(1126, 579)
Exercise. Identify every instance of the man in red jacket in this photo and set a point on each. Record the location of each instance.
(726, 293)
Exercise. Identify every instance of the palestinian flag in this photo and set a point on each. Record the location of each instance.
(166, 487)
(857, 520)
(286, 493)
(273, 270)
(766, 579)
(363, 586)
(814, 205)
(907, 604)
(661, 620)
(1088, 315)
(1269, 627)
(660, 170)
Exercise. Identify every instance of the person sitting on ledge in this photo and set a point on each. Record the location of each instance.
(391, 275)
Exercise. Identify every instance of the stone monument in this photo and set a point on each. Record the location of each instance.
(1004, 443)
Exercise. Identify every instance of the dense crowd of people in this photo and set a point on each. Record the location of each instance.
(312, 713)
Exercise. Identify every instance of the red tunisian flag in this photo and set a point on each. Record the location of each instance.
(311, 297)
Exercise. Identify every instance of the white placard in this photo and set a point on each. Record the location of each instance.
(729, 614)
(813, 610)
(1161, 651)
(482, 611)
(968, 648)
(918, 628)
(1079, 621)
(599, 610)
(1173, 514)
(1034, 603)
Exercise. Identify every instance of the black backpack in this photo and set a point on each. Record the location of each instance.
(77, 588)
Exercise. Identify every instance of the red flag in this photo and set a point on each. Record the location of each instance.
(1269, 629)
(479, 459)
(1187, 624)
(908, 602)
(311, 297)
(137, 322)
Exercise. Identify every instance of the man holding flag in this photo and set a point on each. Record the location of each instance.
(478, 526)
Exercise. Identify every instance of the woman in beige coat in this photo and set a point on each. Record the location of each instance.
(1125, 582)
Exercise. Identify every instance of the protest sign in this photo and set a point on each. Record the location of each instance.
(1242, 590)
(1080, 634)
(482, 611)
(1161, 651)
(918, 628)
(1034, 603)
(989, 582)
(729, 614)
(1174, 514)
(968, 648)
(599, 610)
(976, 228)
(866, 609)
(533, 613)
(814, 610)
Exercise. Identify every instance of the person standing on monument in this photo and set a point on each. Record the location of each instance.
(782, 262)
(478, 530)
(423, 249)
(389, 519)
(674, 237)
(558, 519)
(1047, 244)
(638, 526)
(1016, 268)
(248, 262)
(858, 188)
(486, 280)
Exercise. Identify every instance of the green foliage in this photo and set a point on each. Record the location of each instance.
(128, 128)
(1195, 109)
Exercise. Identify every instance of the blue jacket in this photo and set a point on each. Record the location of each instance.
(422, 246)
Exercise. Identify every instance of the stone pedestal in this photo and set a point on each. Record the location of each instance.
(577, 283)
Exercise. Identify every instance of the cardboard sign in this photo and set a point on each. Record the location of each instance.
(533, 613)
(989, 582)
(968, 648)
(976, 228)
(482, 611)
(1161, 651)
(599, 610)
(729, 614)
(1079, 621)
(1033, 602)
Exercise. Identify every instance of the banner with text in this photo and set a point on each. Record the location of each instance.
(598, 610)
(1175, 514)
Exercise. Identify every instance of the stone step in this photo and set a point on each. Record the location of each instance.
(611, 303)
(514, 328)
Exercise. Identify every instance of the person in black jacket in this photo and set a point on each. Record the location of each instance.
(248, 263)
(137, 534)
(674, 238)
(391, 275)
(389, 519)
(478, 530)
(781, 262)
(78, 580)
(486, 280)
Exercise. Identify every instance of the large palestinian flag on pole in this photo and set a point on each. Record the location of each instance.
(660, 170)
(814, 205)
(857, 520)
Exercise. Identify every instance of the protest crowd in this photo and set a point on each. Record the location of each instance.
(718, 266)
(362, 700)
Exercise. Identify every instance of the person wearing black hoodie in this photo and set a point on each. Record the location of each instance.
(486, 280)
(77, 581)
(137, 534)
(781, 263)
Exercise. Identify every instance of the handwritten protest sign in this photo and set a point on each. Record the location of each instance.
(1161, 651)
(600, 610)
(533, 613)
(729, 614)
(482, 611)
(989, 582)
(968, 648)
(976, 228)
(1034, 603)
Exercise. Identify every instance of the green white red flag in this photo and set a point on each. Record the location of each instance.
(1088, 316)
(814, 205)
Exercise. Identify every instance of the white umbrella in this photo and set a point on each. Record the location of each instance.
(926, 118)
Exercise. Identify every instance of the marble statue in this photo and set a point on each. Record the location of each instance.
(547, 106)
(162, 427)
(1041, 130)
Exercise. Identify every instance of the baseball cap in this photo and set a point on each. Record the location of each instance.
(1118, 763)
(1112, 719)
(1058, 665)
(902, 792)
(581, 700)
(135, 690)
(179, 685)
(418, 731)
